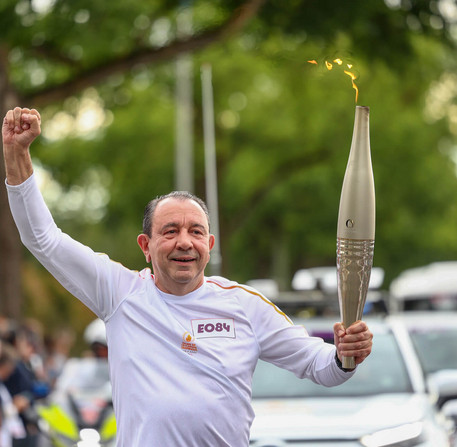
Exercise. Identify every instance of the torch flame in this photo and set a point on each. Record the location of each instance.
(339, 61)
(353, 77)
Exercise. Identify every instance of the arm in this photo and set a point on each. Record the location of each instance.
(289, 346)
(20, 128)
(98, 282)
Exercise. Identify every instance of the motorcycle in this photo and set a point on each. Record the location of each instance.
(79, 411)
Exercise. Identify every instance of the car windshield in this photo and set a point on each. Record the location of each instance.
(436, 348)
(383, 371)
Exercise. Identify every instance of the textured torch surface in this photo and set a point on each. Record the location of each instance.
(356, 226)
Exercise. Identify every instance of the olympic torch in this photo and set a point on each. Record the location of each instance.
(356, 226)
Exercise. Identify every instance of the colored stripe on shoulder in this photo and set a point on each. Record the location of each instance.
(238, 286)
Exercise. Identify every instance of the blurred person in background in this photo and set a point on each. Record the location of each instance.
(182, 346)
(8, 329)
(27, 382)
(95, 337)
(12, 428)
(57, 350)
(30, 346)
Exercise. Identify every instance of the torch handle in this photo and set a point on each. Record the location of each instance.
(354, 260)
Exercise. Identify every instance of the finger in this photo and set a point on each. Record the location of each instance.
(17, 114)
(357, 353)
(32, 122)
(36, 122)
(363, 354)
(10, 119)
(355, 341)
(25, 125)
(358, 326)
(338, 329)
(354, 349)
(35, 112)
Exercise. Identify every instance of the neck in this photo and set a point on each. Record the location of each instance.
(178, 289)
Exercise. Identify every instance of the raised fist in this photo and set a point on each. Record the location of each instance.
(20, 127)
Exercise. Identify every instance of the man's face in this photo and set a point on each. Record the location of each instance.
(179, 246)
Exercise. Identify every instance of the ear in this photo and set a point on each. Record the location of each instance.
(212, 240)
(143, 242)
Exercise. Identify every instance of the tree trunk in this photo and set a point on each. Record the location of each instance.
(10, 245)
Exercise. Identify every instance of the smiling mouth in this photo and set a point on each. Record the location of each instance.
(183, 259)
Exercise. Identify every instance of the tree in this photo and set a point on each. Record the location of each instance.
(56, 55)
(50, 55)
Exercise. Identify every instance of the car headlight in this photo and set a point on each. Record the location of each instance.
(402, 436)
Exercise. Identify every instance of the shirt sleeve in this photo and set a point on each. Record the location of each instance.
(290, 346)
(92, 277)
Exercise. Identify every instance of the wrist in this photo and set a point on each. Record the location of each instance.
(18, 165)
(340, 365)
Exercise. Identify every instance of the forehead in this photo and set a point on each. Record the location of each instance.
(174, 210)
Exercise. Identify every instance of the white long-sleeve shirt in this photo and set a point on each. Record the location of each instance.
(181, 366)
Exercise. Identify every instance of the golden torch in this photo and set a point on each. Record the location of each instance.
(356, 226)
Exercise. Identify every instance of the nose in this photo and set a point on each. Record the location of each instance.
(184, 241)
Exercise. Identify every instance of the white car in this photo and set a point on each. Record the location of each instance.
(434, 337)
(384, 404)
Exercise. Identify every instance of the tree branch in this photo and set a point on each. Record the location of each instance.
(95, 75)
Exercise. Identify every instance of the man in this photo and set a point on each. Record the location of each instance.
(182, 347)
(95, 337)
(12, 429)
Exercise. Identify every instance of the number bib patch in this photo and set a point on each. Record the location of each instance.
(214, 327)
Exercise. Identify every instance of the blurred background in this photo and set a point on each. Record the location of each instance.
(120, 89)
(249, 104)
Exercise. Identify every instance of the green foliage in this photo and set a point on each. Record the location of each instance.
(283, 126)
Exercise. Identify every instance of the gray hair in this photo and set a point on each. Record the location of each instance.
(179, 195)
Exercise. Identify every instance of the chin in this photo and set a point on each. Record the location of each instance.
(184, 279)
